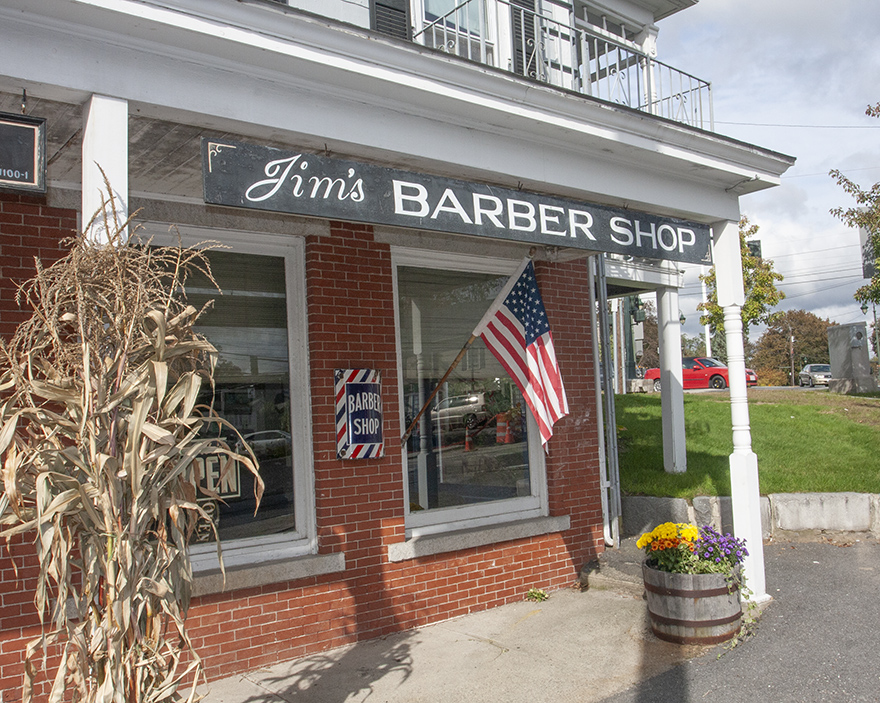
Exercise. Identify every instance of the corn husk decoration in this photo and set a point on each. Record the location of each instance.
(99, 429)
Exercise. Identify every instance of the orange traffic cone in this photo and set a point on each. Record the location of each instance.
(501, 428)
(468, 440)
(508, 435)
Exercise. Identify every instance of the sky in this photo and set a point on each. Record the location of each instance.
(792, 76)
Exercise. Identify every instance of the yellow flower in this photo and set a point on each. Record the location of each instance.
(689, 532)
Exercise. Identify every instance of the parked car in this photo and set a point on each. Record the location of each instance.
(702, 372)
(815, 375)
(461, 411)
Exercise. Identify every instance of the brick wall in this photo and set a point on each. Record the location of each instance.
(360, 504)
(28, 228)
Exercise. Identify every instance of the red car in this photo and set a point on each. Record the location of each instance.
(702, 372)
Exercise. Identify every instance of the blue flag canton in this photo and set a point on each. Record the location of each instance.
(524, 301)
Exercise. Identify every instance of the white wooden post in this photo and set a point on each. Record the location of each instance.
(671, 385)
(105, 145)
(745, 493)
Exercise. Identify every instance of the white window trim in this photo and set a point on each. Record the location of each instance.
(440, 520)
(256, 551)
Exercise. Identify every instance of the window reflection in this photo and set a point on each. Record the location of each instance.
(248, 325)
(471, 444)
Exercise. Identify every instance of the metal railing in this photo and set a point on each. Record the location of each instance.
(553, 50)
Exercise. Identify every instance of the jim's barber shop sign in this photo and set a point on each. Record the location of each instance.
(250, 176)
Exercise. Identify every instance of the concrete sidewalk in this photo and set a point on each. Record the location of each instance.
(585, 646)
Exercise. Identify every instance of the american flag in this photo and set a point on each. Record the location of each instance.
(516, 331)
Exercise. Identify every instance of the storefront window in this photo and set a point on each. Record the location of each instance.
(472, 445)
(248, 325)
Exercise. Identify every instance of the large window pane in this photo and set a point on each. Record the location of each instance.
(248, 325)
(471, 445)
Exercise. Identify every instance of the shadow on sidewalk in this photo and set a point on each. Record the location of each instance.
(347, 674)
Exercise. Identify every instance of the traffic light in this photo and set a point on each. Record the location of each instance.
(637, 308)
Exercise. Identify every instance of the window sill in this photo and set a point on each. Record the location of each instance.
(254, 575)
(427, 545)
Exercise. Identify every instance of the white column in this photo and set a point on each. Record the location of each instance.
(105, 147)
(745, 493)
(671, 386)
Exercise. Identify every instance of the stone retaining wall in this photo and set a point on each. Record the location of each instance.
(783, 515)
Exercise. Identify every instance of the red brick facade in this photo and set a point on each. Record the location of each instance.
(360, 504)
(28, 228)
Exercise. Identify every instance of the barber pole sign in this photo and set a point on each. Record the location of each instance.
(358, 414)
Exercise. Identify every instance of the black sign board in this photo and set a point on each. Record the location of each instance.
(250, 176)
(22, 153)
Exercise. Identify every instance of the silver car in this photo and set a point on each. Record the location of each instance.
(461, 410)
(815, 375)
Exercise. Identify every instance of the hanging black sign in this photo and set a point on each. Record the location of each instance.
(22, 153)
(250, 176)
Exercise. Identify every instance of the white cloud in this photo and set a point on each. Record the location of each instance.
(788, 63)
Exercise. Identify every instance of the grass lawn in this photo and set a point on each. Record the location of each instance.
(806, 441)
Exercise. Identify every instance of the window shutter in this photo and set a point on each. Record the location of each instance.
(391, 17)
(524, 40)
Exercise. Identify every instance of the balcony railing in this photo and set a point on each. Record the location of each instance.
(550, 49)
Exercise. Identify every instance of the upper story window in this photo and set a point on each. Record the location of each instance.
(457, 26)
(465, 16)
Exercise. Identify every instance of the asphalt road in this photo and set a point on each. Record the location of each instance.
(817, 641)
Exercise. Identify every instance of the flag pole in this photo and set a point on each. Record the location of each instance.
(437, 388)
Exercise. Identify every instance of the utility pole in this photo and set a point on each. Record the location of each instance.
(864, 309)
(791, 354)
(707, 337)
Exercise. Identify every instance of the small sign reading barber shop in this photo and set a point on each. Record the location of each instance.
(358, 414)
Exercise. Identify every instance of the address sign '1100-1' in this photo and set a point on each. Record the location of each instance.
(251, 176)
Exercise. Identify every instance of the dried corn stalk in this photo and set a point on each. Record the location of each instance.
(99, 429)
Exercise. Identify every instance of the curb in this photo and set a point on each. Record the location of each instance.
(783, 515)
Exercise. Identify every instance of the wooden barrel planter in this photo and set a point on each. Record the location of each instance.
(691, 608)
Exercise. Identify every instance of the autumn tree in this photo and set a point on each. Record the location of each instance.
(759, 284)
(650, 358)
(866, 215)
(775, 352)
(693, 346)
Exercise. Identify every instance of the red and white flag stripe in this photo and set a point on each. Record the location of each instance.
(532, 366)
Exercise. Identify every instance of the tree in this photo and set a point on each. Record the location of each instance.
(693, 346)
(775, 352)
(866, 215)
(650, 358)
(759, 284)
